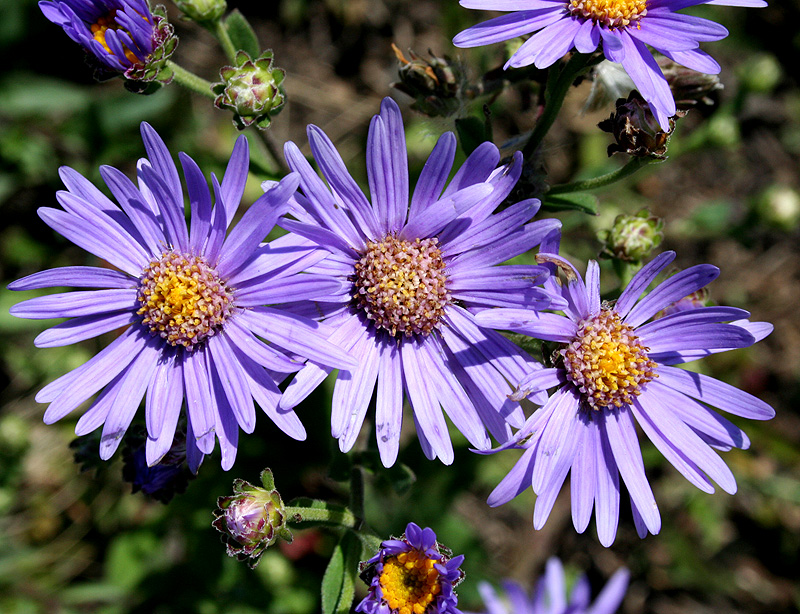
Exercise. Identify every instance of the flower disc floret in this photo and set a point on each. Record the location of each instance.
(610, 13)
(109, 22)
(401, 285)
(607, 362)
(410, 582)
(183, 299)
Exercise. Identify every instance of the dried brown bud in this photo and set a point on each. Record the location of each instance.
(691, 89)
(434, 84)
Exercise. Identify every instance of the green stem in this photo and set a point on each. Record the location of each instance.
(225, 40)
(273, 151)
(554, 97)
(631, 167)
(342, 517)
(191, 81)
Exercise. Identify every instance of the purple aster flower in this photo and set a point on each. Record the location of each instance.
(122, 36)
(550, 595)
(412, 276)
(412, 575)
(615, 371)
(624, 27)
(192, 302)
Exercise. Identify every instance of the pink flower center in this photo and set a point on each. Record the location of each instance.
(401, 285)
(610, 13)
(607, 362)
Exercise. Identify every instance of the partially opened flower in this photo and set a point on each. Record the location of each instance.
(614, 371)
(623, 28)
(193, 305)
(412, 575)
(121, 36)
(550, 596)
(412, 276)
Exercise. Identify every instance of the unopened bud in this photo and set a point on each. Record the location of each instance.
(636, 129)
(202, 10)
(632, 237)
(434, 84)
(251, 89)
(252, 519)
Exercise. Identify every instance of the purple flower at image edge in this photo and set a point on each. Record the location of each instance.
(412, 574)
(413, 275)
(624, 29)
(193, 303)
(614, 371)
(123, 36)
(550, 595)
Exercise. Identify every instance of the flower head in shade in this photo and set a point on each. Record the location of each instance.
(413, 275)
(624, 29)
(412, 575)
(616, 370)
(121, 36)
(551, 597)
(195, 307)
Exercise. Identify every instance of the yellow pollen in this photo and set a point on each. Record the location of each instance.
(182, 299)
(108, 22)
(607, 362)
(610, 13)
(410, 582)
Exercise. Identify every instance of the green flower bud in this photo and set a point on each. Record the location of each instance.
(202, 10)
(636, 129)
(632, 237)
(252, 519)
(434, 84)
(251, 89)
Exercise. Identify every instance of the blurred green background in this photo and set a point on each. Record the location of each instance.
(75, 541)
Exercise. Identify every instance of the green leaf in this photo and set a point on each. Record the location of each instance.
(578, 201)
(332, 580)
(472, 131)
(351, 547)
(242, 34)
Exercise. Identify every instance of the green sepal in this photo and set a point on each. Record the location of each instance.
(573, 201)
(242, 34)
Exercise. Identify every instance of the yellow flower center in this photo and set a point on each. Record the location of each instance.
(607, 362)
(108, 22)
(182, 299)
(401, 285)
(410, 583)
(610, 13)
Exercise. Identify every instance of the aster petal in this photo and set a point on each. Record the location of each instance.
(698, 316)
(515, 482)
(610, 598)
(505, 27)
(427, 413)
(509, 5)
(389, 403)
(97, 237)
(235, 177)
(199, 204)
(621, 433)
(583, 477)
(326, 239)
(434, 174)
(607, 489)
(515, 244)
(75, 276)
(435, 217)
(588, 37)
(640, 282)
(537, 324)
(555, 584)
(688, 25)
(226, 429)
(746, 3)
(297, 335)
(194, 457)
(260, 352)
(219, 224)
(557, 445)
(341, 182)
(172, 216)
(477, 168)
(539, 380)
(199, 402)
(387, 166)
(164, 398)
(353, 400)
(70, 390)
(715, 393)
(157, 448)
(672, 289)
(235, 386)
(665, 35)
(80, 329)
(696, 59)
(74, 304)
(593, 286)
(162, 163)
(691, 336)
(546, 46)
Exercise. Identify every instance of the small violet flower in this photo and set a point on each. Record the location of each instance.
(623, 28)
(412, 575)
(616, 370)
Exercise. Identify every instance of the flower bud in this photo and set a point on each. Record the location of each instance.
(202, 10)
(251, 89)
(434, 84)
(632, 237)
(636, 129)
(252, 519)
(690, 88)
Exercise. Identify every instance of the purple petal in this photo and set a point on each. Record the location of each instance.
(199, 204)
(199, 398)
(353, 392)
(607, 490)
(546, 46)
(610, 598)
(75, 276)
(83, 328)
(538, 324)
(505, 27)
(389, 403)
(235, 177)
(583, 477)
(434, 174)
(640, 282)
(515, 482)
(74, 304)
(223, 359)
